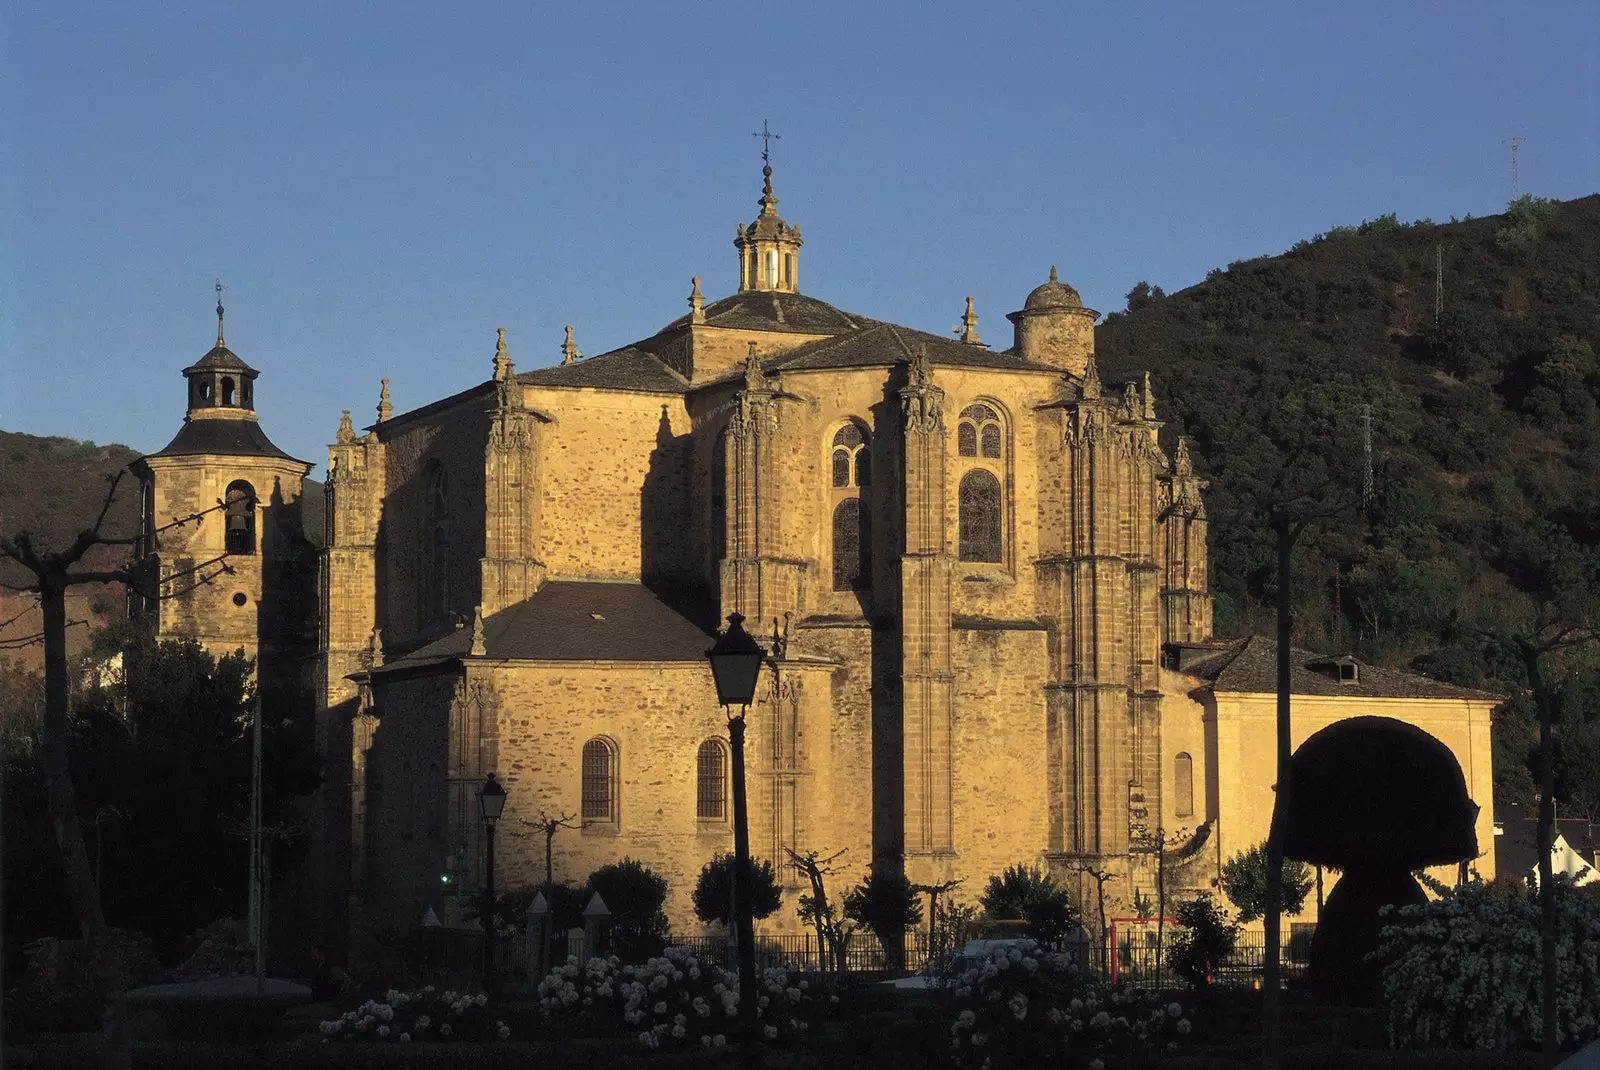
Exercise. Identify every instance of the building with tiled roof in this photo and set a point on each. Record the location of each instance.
(980, 574)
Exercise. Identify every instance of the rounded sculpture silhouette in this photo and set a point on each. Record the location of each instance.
(1374, 798)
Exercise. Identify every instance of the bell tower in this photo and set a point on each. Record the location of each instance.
(236, 574)
(769, 248)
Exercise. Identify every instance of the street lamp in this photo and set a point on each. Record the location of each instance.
(491, 803)
(735, 664)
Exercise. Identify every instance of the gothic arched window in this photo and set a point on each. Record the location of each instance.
(719, 500)
(439, 542)
(240, 503)
(980, 516)
(711, 794)
(978, 433)
(1183, 786)
(852, 546)
(599, 780)
(852, 457)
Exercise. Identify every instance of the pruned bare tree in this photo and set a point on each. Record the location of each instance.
(53, 572)
(833, 929)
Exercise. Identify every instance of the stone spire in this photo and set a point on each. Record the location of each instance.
(1182, 465)
(1091, 378)
(347, 432)
(569, 348)
(385, 410)
(1149, 399)
(479, 647)
(697, 303)
(754, 378)
(502, 362)
(220, 342)
(969, 326)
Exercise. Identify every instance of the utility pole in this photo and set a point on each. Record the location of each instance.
(1438, 282)
(1515, 143)
(257, 906)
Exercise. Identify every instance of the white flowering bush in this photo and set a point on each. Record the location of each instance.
(1025, 1005)
(673, 1001)
(427, 1014)
(1464, 970)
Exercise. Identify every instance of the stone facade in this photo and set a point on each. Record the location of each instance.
(980, 574)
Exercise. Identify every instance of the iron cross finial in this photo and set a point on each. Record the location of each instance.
(767, 137)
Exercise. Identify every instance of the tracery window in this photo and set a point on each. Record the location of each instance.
(978, 433)
(439, 542)
(599, 780)
(1183, 786)
(711, 795)
(852, 546)
(980, 534)
(240, 503)
(851, 467)
(852, 457)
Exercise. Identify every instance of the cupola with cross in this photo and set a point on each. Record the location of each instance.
(769, 248)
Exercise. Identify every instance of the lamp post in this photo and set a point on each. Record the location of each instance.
(491, 802)
(735, 664)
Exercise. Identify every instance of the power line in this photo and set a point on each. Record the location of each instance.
(1515, 143)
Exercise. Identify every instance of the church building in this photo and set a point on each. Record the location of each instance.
(980, 574)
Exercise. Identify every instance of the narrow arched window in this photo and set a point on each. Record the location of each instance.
(978, 433)
(711, 794)
(240, 504)
(599, 780)
(864, 466)
(227, 390)
(852, 546)
(438, 528)
(719, 500)
(980, 516)
(1183, 786)
(841, 467)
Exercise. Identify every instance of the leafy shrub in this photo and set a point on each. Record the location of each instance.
(886, 903)
(1032, 895)
(1205, 938)
(635, 894)
(1464, 970)
(1029, 1006)
(1244, 881)
(402, 1017)
(713, 892)
(673, 1002)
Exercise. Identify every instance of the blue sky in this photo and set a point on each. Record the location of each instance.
(382, 185)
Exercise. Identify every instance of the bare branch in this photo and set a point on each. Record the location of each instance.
(21, 641)
(12, 620)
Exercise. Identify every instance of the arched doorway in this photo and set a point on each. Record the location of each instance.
(1374, 798)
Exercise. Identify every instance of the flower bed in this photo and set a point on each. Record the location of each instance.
(1024, 1005)
(403, 1017)
(1464, 970)
(673, 1001)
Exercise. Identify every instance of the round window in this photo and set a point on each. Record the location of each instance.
(240, 599)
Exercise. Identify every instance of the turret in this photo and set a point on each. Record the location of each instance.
(769, 248)
(1054, 328)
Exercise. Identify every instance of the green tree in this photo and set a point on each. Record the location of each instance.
(1028, 893)
(886, 903)
(635, 894)
(1244, 881)
(1204, 941)
(713, 892)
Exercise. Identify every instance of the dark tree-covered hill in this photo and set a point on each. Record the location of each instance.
(1483, 417)
(53, 488)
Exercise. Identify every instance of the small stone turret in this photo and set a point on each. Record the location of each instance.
(1053, 327)
(769, 248)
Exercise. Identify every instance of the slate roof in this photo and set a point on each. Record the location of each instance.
(221, 357)
(628, 368)
(572, 620)
(230, 438)
(1251, 667)
(756, 310)
(887, 344)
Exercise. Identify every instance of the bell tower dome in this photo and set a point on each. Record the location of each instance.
(769, 248)
(221, 386)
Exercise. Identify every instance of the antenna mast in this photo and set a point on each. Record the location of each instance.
(1438, 282)
(1515, 143)
(1366, 450)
